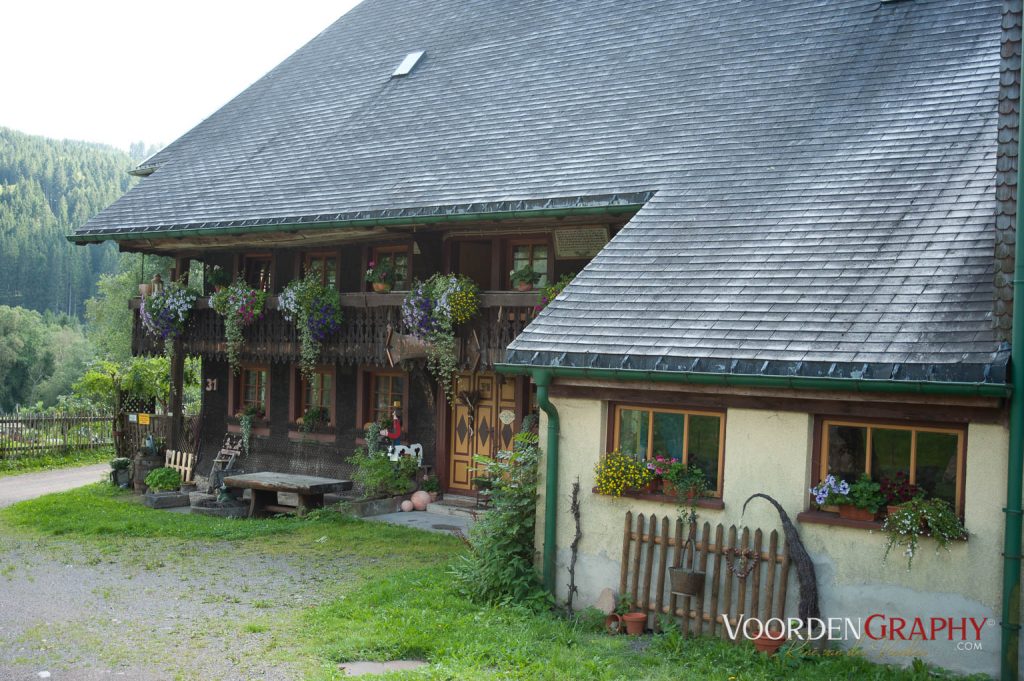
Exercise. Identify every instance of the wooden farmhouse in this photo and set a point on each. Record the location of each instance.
(794, 227)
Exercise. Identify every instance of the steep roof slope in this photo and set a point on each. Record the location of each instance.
(823, 170)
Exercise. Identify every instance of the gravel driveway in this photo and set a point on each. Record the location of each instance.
(31, 485)
(199, 610)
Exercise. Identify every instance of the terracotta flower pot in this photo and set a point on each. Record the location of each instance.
(524, 286)
(633, 622)
(381, 287)
(769, 642)
(891, 509)
(851, 512)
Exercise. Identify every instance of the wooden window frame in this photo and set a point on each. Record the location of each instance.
(615, 409)
(365, 393)
(242, 265)
(236, 388)
(375, 253)
(309, 256)
(509, 248)
(297, 406)
(819, 459)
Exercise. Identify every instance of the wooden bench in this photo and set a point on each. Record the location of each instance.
(266, 486)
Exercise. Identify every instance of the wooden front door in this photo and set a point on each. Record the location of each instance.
(483, 422)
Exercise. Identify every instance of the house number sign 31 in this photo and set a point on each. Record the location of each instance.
(211, 385)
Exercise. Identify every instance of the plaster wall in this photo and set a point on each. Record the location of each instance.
(770, 451)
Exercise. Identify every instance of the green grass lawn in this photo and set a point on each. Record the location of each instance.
(50, 460)
(401, 603)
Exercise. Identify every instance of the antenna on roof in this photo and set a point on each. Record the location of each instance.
(407, 64)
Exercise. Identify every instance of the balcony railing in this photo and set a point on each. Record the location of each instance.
(364, 334)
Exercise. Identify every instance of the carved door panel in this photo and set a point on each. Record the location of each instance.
(483, 422)
(463, 438)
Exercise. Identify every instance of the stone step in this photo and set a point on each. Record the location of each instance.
(458, 510)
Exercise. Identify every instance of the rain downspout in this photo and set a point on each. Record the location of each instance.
(542, 379)
(1010, 648)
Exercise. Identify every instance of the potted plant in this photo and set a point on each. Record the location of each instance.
(624, 617)
(897, 491)
(245, 421)
(432, 486)
(830, 492)
(240, 305)
(163, 484)
(313, 419)
(616, 472)
(381, 275)
(690, 484)
(863, 501)
(524, 278)
(658, 466)
(770, 640)
(316, 309)
(217, 278)
(918, 518)
(120, 473)
(551, 291)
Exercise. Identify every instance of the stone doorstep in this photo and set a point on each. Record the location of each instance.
(440, 507)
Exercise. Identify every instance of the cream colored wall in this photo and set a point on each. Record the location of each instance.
(770, 451)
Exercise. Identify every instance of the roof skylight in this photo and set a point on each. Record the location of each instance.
(407, 64)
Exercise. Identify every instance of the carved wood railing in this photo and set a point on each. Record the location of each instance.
(364, 333)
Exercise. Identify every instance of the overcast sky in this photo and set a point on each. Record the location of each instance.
(122, 71)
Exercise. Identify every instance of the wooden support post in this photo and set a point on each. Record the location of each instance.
(177, 390)
(178, 370)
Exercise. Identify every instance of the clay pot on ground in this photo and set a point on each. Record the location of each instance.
(420, 500)
(769, 642)
(634, 623)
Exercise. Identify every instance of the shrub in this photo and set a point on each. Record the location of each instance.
(499, 568)
(163, 480)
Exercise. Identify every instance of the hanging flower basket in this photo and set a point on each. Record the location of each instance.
(165, 314)
(316, 309)
(240, 305)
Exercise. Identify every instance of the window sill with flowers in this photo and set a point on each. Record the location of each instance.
(620, 475)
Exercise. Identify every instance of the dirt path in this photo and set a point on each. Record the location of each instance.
(17, 488)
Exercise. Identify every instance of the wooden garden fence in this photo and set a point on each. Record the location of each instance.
(24, 434)
(745, 574)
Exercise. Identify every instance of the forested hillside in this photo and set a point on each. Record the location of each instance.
(47, 187)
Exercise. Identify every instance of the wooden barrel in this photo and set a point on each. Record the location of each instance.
(141, 467)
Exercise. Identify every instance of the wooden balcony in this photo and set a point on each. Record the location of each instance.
(363, 337)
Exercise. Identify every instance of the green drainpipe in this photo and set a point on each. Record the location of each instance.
(542, 379)
(1010, 665)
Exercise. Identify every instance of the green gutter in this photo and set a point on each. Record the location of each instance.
(353, 224)
(1009, 666)
(764, 381)
(542, 379)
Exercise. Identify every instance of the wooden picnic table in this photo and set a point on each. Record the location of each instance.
(265, 487)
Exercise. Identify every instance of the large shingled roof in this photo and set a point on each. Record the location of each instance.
(822, 172)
